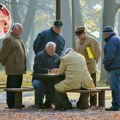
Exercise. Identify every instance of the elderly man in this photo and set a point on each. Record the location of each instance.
(90, 49)
(53, 34)
(73, 65)
(45, 62)
(13, 57)
(111, 63)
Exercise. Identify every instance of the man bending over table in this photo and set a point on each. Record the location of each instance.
(73, 65)
(44, 62)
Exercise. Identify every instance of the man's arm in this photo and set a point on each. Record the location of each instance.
(38, 65)
(110, 51)
(95, 48)
(5, 50)
(38, 41)
(62, 67)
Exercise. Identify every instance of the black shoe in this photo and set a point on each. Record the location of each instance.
(112, 109)
(23, 106)
(47, 104)
(81, 106)
(13, 107)
(66, 108)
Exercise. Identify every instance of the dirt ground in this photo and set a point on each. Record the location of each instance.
(32, 113)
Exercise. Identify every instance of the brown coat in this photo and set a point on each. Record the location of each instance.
(13, 55)
(73, 65)
(95, 48)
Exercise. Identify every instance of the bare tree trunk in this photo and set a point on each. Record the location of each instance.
(67, 24)
(109, 12)
(78, 14)
(15, 13)
(118, 23)
(29, 19)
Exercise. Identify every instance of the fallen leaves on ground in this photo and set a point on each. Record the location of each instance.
(31, 113)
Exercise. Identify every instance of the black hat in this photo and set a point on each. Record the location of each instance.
(108, 29)
(58, 23)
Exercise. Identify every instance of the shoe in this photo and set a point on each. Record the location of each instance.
(81, 106)
(13, 107)
(112, 109)
(47, 104)
(66, 108)
(23, 106)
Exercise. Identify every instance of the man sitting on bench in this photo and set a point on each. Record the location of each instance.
(45, 61)
(73, 65)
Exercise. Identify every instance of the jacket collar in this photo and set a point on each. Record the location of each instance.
(107, 39)
(53, 31)
(47, 54)
(15, 35)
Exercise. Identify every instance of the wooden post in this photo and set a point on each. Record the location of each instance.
(58, 9)
(102, 98)
(36, 102)
(18, 100)
(73, 24)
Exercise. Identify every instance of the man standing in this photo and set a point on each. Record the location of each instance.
(73, 66)
(111, 63)
(13, 57)
(45, 62)
(54, 35)
(90, 49)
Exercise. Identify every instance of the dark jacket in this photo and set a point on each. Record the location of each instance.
(13, 55)
(111, 59)
(46, 36)
(43, 62)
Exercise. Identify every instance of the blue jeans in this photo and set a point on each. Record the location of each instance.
(44, 89)
(114, 77)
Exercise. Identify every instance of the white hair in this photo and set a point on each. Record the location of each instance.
(16, 25)
(67, 50)
(49, 44)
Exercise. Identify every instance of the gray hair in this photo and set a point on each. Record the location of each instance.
(49, 44)
(16, 25)
(67, 50)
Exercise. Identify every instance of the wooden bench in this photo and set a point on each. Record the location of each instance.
(18, 95)
(99, 90)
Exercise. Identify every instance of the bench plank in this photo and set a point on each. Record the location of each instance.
(19, 89)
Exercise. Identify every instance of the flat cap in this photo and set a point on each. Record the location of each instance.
(80, 30)
(58, 23)
(108, 29)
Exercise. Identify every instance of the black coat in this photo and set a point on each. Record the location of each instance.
(46, 36)
(43, 62)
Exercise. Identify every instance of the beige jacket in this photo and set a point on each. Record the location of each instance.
(95, 48)
(73, 65)
(13, 55)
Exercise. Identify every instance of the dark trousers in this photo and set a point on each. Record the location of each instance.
(13, 81)
(83, 100)
(93, 99)
(43, 89)
(62, 101)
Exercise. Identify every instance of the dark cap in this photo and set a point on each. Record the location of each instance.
(79, 30)
(58, 23)
(108, 29)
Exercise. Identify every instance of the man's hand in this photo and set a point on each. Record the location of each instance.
(54, 71)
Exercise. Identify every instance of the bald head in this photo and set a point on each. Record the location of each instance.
(50, 48)
(17, 29)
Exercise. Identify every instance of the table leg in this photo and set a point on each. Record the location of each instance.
(18, 100)
(102, 98)
(35, 98)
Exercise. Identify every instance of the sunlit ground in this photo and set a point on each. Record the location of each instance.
(30, 112)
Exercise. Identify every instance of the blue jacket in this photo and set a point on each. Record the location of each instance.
(46, 36)
(111, 59)
(43, 62)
